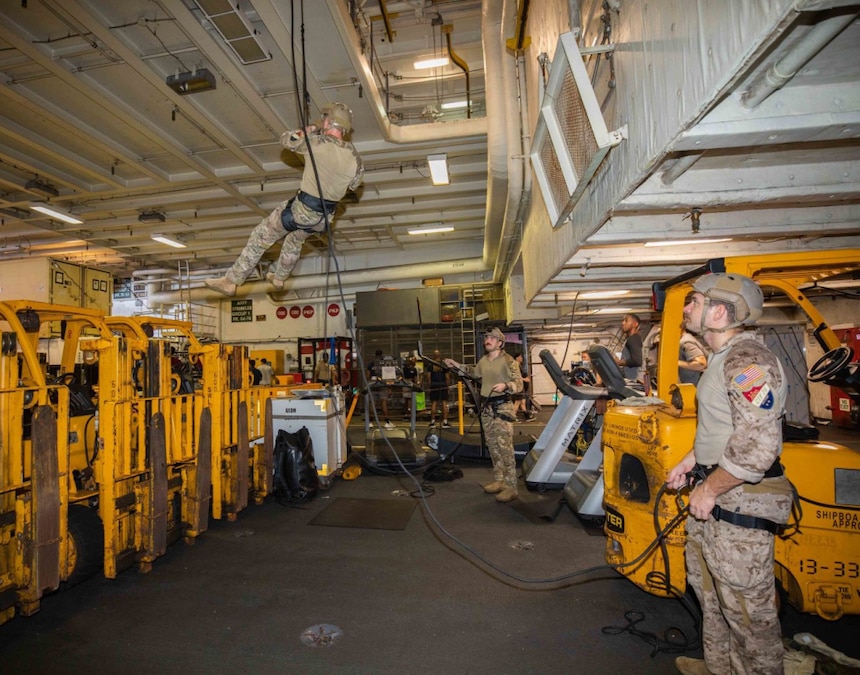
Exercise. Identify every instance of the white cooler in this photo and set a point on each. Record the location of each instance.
(325, 419)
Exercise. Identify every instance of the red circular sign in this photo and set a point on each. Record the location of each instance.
(307, 311)
(333, 309)
(295, 311)
(281, 312)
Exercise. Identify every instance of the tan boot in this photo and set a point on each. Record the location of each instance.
(222, 285)
(507, 495)
(494, 487)
(688, 666)
(277, 284)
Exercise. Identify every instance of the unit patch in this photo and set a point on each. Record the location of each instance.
(760, 395)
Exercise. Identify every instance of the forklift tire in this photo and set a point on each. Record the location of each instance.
(86, 544)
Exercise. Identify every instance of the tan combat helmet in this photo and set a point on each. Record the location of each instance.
(339, 115)
(737, 290)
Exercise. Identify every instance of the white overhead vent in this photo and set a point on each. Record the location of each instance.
(235, 29)
(571, 138)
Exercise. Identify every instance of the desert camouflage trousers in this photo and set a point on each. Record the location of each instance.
(731, 570)
(500, 444)
(269, 231)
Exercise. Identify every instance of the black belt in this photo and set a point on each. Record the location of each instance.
(775, 470)
(742, 519)
(317, 204)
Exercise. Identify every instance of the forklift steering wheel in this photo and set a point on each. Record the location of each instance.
(830, 364)
(66, 379)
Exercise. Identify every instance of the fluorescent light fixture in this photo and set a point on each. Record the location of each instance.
(614, 310)
(597, 295)
(431, 229)
(164, 239)
(438, 169)
(686, 242)
(455, 105)
(431, 63)
(56, 212)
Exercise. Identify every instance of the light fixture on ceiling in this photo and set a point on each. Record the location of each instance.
(685, 242)
(164, 239)
(153, 216)
(438, 169)
(601, 295)
(438, 62)
(435, 228)
(42, 188)
(56, 212)
(455, 105)
(235, 29)
(191, 83)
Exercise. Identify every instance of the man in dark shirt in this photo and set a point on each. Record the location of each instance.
(631, 361)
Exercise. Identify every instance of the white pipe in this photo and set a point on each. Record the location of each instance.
(776, 76)
(497, 147)
(308, 281)
(519, 176)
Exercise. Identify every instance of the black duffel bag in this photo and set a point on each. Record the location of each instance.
(296, 478)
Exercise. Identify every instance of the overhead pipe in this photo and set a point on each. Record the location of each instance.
(518, 143)
(351, 277)
(779, 73)
(460, 63)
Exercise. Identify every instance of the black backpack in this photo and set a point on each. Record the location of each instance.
(296, 478)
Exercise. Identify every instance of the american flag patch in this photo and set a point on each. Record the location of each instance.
(748, 376)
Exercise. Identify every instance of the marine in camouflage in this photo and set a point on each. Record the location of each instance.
(741, 397)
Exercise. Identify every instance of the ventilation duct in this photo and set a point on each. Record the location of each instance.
(571, 138)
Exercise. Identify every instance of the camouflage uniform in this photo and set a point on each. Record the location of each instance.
(498, 431)
(741, 396)
(339, 168)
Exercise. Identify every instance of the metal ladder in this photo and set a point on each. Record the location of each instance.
(467, 326)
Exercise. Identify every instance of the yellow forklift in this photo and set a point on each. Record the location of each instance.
(816, 562)
(87, 483)
(231, 416)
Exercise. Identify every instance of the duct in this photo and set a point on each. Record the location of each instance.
(519, 176)
(497, 149)
(309, 281)
(781, 72)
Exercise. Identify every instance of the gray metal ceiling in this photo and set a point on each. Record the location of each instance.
(86, 109)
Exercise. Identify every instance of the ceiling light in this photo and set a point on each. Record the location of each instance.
(686, 242)
(151, 217)
(44, 189)
(431, 229)
(431, 63)
(597, 295)
(164, 239)
(455, 105)
(191, 83)
(56, 212)
(613, 310)
(438, 169)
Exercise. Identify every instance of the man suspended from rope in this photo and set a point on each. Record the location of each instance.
(331, 164)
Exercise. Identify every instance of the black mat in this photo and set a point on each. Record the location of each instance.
(373, 514)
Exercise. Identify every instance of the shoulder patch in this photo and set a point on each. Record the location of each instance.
(751, 383)
(747, 377)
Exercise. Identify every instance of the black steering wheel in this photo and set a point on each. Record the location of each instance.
(66, 379)
(830, 364)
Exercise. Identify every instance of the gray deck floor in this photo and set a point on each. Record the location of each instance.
(453, 592)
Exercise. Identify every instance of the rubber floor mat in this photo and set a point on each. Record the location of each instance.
(372, 514)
